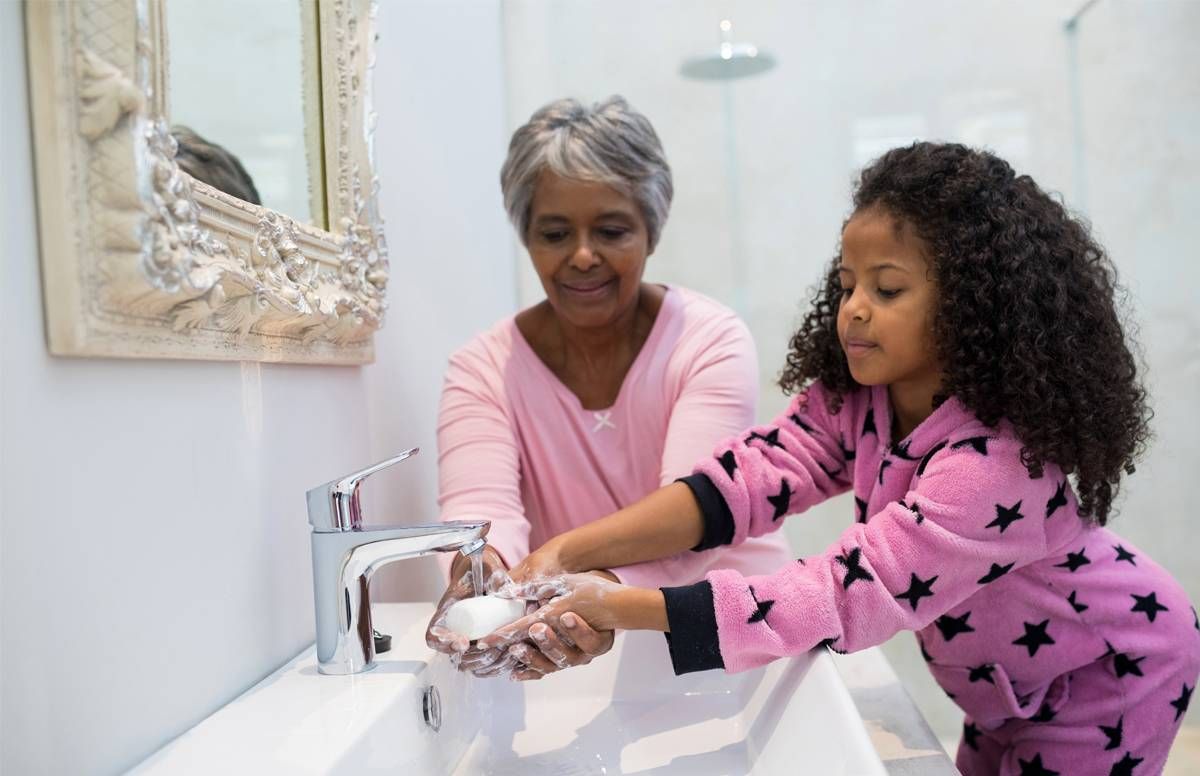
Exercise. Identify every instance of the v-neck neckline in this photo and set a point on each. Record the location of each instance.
(928, 427)
(665, 308)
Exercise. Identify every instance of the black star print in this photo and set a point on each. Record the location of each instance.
(1126, 765)
(917, 589)
(886, 462)
(979, 443)
(1127, 664)
(1044, 714)
(900, 450)
(1035, 637)
(1181, 703)
(1034, 767)
(853, 569)
(1195, 618)
(1108, 650)
(1148, 604)
(1074, 561)
(801, 561)
(970, 733)
(1114, 733)
(728, 463)
(771, 438)
(763, 608)
(928, 457)
(796, 419)
(1006, 516)
(928, 658)
(1075, 604)
(915, 508)
(952, 626)
(846, 454)
(1124, 554)
(862, 509)
(869, 424)
(983, 672)
(995, 572)
(781, 501)
(830, 473)
(1059, 499)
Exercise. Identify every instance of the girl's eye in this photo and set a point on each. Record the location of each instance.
(889, 293)
(845, 292)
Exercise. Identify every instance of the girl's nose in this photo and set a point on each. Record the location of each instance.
(855, 306)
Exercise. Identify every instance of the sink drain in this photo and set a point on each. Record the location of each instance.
(431, 707)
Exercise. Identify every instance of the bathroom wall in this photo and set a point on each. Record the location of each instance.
(763, 168)
(154, 557)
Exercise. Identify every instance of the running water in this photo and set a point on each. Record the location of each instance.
(477, 571)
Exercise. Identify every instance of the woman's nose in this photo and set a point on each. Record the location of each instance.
(583, 257)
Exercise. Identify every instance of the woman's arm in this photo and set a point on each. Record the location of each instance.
(479, 472)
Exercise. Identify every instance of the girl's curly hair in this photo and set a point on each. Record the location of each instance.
(1027, 325)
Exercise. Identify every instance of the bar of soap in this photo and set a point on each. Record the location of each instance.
(477, 617)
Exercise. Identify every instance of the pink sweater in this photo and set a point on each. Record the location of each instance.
(516, 447)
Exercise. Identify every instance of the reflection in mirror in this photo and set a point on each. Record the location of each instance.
(244, 100)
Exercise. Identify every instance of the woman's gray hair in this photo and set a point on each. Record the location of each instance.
(608, 143)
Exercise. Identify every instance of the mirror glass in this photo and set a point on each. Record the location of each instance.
(244, 100)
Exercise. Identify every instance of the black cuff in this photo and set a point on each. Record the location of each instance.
(718, 520)
(692, 619)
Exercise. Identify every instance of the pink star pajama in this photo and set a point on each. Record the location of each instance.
(1068, 648)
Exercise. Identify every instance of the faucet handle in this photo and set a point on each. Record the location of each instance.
(334, 506)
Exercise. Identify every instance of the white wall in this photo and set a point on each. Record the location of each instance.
(154, 557)
(763, 168)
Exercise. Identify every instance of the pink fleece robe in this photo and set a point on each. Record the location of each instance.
(1019, 604)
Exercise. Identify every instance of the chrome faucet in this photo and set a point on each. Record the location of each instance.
(345, 554)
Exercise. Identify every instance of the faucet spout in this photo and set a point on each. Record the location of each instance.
(345, 555)
(343, 564)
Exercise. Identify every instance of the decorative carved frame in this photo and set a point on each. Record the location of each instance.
(141, 260)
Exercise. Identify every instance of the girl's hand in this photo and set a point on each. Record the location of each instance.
(601, 602)
(575, 644)
(543, 563)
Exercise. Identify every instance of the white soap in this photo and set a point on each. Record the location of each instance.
(477, 617)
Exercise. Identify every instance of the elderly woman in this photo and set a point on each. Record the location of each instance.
(599, 394)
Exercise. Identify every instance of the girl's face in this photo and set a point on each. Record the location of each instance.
(885, 317)
(589, 245)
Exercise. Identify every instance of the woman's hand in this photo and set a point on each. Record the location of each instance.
(440, 638)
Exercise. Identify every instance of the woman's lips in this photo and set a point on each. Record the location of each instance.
(587, 290)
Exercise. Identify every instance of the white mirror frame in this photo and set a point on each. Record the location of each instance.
(141, 260)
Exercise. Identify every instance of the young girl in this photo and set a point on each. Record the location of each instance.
(963, 370)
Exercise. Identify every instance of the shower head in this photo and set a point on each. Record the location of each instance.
(730, 60)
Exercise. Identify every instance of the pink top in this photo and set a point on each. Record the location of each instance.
(516, 447)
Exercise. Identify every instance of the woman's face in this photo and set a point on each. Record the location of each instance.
(589, 245)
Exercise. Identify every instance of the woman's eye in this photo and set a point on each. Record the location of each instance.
(613, 232)
(554, 236)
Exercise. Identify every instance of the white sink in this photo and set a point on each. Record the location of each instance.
(627, 713)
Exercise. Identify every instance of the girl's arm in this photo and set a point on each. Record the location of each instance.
(745, 489)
